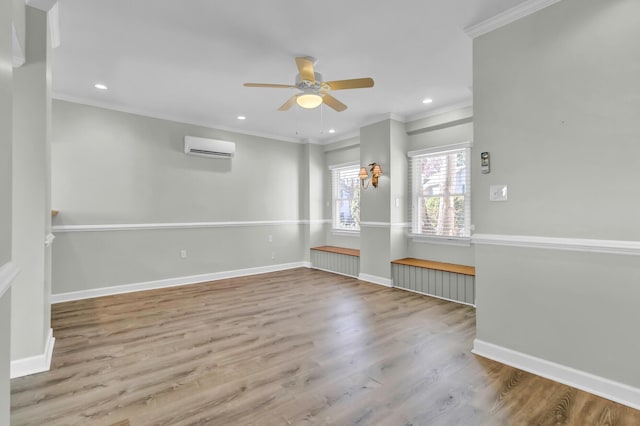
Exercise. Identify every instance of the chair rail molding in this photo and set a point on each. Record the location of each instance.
(556, 243)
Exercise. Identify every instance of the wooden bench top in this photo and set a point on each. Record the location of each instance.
(439, 266)
(338, 250)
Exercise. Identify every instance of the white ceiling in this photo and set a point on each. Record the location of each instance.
(187, 60)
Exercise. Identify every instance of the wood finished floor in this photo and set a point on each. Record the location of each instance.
(287, 348)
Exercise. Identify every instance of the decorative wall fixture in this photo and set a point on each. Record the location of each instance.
(376, 171)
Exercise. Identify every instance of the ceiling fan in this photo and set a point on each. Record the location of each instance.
(313, 90)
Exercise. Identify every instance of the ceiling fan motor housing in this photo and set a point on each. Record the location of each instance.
(306, 84)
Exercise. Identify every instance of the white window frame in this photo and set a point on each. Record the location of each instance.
(335, 176)
(416, 182)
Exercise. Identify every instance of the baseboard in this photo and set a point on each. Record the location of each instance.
(606, 388)
(34, 364)
(170, 282)
(375, 280)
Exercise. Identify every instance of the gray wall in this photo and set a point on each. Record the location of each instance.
(111, 167)
(556, 104)
(31, 213)
(6, 74)
(442, 129)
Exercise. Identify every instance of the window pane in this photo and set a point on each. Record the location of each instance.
(440, 189)
(346, 198)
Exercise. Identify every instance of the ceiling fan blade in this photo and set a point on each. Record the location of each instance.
(287, 105)
(305, 67)
(355, 83)
(277, 86)
(333, 103)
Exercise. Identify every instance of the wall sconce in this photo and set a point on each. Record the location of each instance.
(376, 171)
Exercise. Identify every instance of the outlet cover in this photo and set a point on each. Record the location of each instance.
(498, 193)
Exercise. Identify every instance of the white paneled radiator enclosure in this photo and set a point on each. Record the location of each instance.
(336, 259)
(444, 280)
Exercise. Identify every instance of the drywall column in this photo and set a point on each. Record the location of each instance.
(31, 212)
(313, 198)
(7, 269)
(382, 235)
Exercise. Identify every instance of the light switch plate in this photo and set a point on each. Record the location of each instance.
(498, 193)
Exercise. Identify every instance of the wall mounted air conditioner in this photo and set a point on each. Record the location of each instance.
(211, 148)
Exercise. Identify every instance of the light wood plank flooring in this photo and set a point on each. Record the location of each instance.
(287, 348)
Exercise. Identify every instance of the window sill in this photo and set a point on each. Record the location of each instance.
(449, 241)
(345, 233)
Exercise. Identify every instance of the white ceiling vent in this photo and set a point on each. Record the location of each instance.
(211, 148)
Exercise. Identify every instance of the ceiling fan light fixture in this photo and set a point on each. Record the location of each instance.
(309, 100)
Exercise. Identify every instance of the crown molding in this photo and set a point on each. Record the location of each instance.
(441, 111)
(525, 8)
(167, 117)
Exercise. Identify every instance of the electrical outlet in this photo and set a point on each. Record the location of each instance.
(273, 255)
(270, 238)
(183, 254)
(498, 193)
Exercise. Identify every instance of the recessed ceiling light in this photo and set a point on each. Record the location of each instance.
(427, 101)
(332, 130)
(241, 117)
(100, 86)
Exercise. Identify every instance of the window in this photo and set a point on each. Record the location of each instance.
(441, 197)
(345, 186)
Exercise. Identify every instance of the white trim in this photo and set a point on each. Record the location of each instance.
(342, 137)
(375, 225)
(8, 273)
(401, 225)
(437, 297)
(170, 282)
(597, 385)
(441, 111)
(316, 222)
(345, 233)
(186, 225)
(16, 49)
(375, 280)
(167, 117)
(523, 9)
(554, 243)
(49, 239)
(383, 117)
(34, 364)
(343, 165)
(440, 149)
(435, 239)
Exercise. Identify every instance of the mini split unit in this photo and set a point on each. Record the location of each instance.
(211, 148)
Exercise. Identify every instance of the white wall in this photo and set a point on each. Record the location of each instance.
(111, 168)
(556, 104)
